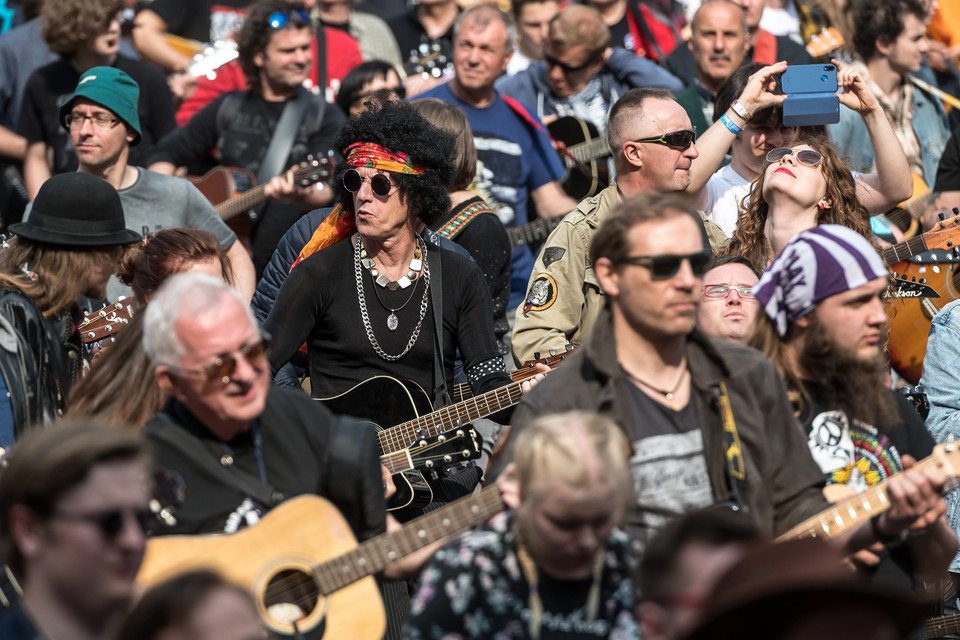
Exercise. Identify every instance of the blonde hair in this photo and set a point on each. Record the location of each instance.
(576, 447)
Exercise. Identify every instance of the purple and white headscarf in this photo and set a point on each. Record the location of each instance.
(818, 263)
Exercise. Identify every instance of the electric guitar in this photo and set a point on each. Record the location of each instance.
(860, 508)
(303, 566)
(931, 259)
(528, 369)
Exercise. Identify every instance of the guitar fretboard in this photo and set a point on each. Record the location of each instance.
(443, 420)
(858, 509)
(397, 461)
(533, 231)
(939, 627)
(587, 151)
(372, 556)
(904, 250)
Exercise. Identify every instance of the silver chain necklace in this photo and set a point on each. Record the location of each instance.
(392, 318)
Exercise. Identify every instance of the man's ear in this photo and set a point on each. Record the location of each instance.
(882, 46)
(803, 322)
(607, 276)
(26, 529)
(258, 60)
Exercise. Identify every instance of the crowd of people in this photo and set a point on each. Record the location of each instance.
(614, 351)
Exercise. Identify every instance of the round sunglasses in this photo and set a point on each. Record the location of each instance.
(806, 157)
(380, 184)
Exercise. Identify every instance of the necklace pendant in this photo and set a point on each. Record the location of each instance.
(392, 322)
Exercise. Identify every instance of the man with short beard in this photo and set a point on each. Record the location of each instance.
(823, 300)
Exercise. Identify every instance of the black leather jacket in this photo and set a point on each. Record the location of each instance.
(39, 359)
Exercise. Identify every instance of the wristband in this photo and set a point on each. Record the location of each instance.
(740, 110)
(731, 125)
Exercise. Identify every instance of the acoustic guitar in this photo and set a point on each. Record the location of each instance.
(586, 152)
(931, 262)
(384, 400)
(234, 191)
(907, 214)
(941, 626)
(858, 509)
(303, 566)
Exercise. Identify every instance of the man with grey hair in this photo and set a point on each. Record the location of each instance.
(518, 162)
(241, 444)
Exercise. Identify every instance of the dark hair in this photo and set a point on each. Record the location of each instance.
(610, 240)
(172, 602)
(48, 462)
(147, 265)
(359, 76)
(731, 89)
(451, 119)
(721, 261)
(881, 20)
(256, 33)
(398, 127)
(658, 575)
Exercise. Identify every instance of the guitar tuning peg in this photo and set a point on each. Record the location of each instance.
(942, 215)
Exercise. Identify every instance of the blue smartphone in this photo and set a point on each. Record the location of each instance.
(811, 95)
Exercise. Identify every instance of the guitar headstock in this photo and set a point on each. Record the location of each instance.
(212, 58)
(825, 42)
(551, 361)
(447, 448)
(946, 233)
(316, 168)
(946, 457)
(911, 287)
(107, 321)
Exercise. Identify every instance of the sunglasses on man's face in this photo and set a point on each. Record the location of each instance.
(679, 139)
(380, 184)
(279, 19)
(567, 69)
(666, 266)
(806, 157)
(111, 523)
(223, 368)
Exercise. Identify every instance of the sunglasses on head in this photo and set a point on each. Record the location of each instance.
(223, 368)
(380, 184)
(806, 157)
(723, 290)
(566, 68)
(680, 139)
(279, 19)
(110, 523)
(667, 266)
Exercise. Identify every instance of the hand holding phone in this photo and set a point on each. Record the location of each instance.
(811, 95)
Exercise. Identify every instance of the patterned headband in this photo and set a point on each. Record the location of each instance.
(372, 155)
(818, 263)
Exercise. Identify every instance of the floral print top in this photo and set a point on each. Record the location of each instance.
(474, 588)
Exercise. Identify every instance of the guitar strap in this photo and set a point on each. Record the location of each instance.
(460, 221)
(521, 111)
(275, 159)
(194, 448)
(732, 449)
(441, 395)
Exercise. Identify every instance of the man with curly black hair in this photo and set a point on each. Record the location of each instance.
(270, 127)
(367, 306)
(86, 34)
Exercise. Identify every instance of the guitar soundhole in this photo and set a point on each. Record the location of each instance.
(291, 595)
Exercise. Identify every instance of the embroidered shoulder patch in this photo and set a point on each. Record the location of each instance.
(543, 293)
(552, 254)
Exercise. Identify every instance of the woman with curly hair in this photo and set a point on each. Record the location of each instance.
(372, 304)
(799, 187)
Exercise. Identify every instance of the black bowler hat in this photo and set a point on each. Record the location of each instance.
(76, 209)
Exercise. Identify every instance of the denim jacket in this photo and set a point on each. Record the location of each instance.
(929, 124)
(943, 394)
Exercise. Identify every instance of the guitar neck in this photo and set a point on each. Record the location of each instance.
(243, 202)
(397, 461)
(904, 250)
(858, 509)
(372, 556)
(533, 231)
(443, 420)
(939, 627)
(463, 391)
(588, 151)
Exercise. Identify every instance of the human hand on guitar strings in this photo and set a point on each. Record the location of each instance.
(916, 500)
(530, 383)
(389, 488)
(305, 194)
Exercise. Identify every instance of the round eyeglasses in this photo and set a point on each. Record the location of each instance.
(380, 184)
(806, 157)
